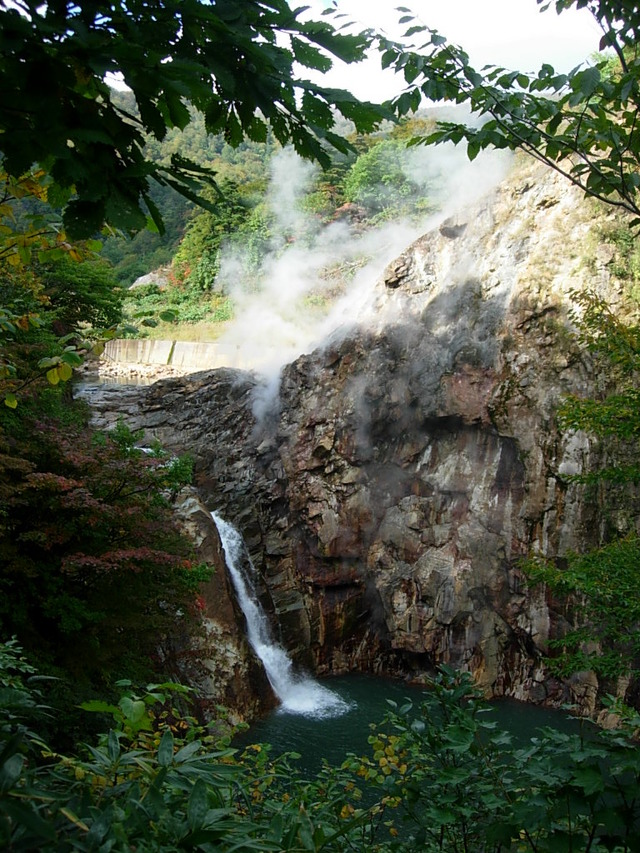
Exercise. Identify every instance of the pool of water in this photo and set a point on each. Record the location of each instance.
(366, 698)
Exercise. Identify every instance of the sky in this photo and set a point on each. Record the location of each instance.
(510, 33)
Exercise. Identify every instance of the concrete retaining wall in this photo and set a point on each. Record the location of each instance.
(185, 355)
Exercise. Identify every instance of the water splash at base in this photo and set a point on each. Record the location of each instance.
(297, 693)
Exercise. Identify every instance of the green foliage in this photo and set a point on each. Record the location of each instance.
(59, 112)
(626, 262)
(257, 236)
(19, 695)
(94, 573)
(461, 784)
(159, 782)
(615, 347)
(207, 232)
(583, 124)
(30, 227)
(441, 778)
(187, 302)
(599, 589)
(55, 312)
(603, 609)
(30, 351)
(81, 295)
(328, 190)
(379, 181)
(149, 249)
(138, 713)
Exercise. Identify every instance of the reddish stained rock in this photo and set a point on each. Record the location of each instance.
(468, 393)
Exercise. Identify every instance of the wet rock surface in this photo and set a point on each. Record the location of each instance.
(391, 485)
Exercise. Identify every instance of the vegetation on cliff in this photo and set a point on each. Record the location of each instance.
(600, 587)
(93, 570)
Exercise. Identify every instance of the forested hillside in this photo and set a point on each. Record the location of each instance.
(381, 181)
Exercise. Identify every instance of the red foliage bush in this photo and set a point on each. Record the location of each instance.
(94, 574)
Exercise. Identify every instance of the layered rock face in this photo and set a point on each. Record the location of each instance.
(395, 476)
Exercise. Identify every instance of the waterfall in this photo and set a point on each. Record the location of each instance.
(298, 693)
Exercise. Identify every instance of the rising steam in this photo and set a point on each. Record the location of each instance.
(315, 278)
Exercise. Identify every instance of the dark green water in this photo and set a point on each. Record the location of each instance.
(332, 738)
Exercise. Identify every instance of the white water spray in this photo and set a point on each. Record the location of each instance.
(298, 694)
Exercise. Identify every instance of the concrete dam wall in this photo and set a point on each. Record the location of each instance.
(184, 355)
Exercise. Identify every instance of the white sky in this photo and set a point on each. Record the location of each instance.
(510, 33)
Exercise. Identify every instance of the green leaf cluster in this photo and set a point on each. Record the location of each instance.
(207, 231)
(440, 777)
(185, 302)
(583, 124)
(597, 591)
(94, 573)
(379, 180)
(599, 595)
(81, 295)
(55, 314)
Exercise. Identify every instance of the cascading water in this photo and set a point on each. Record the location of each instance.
(298, 694)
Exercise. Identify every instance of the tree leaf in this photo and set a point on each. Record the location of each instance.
(53, 376)
(99, 707)
(586, 81)
(198, 805)
(113, 746)
(165, 750)
(49, 361)
(75, 820)
(134, 710)
(65, 372)
(71, 357)
(10, 771)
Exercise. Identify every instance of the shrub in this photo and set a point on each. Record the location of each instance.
(94, 572)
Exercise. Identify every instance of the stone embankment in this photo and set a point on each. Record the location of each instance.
(143, 361)
(185, 356)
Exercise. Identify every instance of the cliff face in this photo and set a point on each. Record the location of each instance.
(396, 475)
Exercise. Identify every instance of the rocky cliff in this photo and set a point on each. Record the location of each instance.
(395, 476)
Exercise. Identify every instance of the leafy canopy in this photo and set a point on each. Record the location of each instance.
(583, 124)
(93, 570)
(52, 314)
(233, 62)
